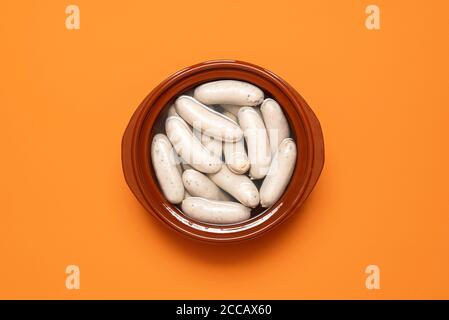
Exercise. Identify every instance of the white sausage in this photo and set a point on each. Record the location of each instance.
(220, 212)
(237, 185)
(257, 141)
(199, 185)
(207, 120)
(212, 144)
(275, 122)
(168, 176)
(234, 152)
(189, 148)
(231, 116)
(280, 173)
(172, 111)
(231, 108)
(229, 92)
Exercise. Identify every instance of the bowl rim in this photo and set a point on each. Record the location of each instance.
(136, 142)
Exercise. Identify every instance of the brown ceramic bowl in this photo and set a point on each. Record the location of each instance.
(144, 124)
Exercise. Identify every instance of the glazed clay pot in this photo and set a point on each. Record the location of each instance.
(149, 117)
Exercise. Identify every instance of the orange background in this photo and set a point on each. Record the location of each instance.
(382, 98)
